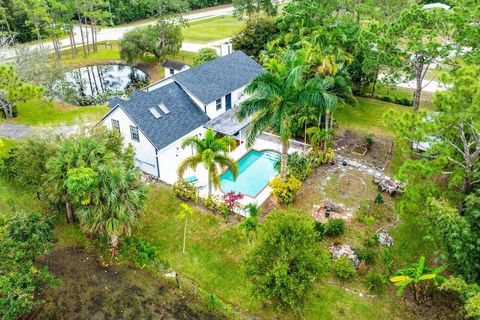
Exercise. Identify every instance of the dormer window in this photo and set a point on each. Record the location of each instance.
(218, 104)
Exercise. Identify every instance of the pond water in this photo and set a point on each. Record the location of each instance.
(94, 85)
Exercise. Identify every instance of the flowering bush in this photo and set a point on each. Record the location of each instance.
(285, 191)
(231, 200)
(214, 204)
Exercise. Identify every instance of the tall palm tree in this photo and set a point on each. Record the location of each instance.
(117, 202)
(212, 152)
(275, 97)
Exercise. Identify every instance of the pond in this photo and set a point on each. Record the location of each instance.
(93, 85)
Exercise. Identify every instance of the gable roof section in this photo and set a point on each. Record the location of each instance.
(216, 78)
(184, 115)
(170, 64)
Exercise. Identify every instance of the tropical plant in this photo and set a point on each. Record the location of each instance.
(185, 212)
(369, 140)
(285, 261)
(378, 199)
(275, 97)
(249, 225)
(254, 210)
(117, 202)
(414, 275)
(231, 200)
(211, 152)
(320, 138)
(298, 166)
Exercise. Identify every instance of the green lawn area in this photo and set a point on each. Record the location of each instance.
(212, 29)
(6, 145)
(45, 112)
(368, 117)
(213, 260)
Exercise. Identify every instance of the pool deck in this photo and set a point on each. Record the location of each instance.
(265, 141)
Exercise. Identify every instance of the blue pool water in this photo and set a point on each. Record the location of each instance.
(256, 169)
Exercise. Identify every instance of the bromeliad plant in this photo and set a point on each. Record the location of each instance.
(415, 275)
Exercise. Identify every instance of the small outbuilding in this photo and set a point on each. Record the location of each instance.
(173, 67)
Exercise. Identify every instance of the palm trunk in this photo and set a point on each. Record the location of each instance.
(209, 187)
(184, 235)
(326, 120)
(83, 38)
(284, 160)
(374, 86)
(68, 206)
(114, 244)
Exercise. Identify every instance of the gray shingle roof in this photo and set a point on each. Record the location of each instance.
(170, 64)
(219, 77)
(184, 114)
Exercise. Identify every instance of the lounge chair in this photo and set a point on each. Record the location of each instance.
(191, 180)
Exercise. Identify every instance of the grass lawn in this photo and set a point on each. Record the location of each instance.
(367, 117)
(214, 254)
(6, 145)
(212, 29)
(44, 112)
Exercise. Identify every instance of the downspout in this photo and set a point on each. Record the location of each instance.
(156, 159)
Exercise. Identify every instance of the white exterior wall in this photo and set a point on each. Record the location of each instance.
(170, 157)
(144, 151)
(158, 84)
(237, 98)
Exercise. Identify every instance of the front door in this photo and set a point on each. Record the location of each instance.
(228, 101)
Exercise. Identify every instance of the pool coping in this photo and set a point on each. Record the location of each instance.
(243, 156)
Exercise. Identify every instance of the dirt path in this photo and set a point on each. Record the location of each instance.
(89, 291)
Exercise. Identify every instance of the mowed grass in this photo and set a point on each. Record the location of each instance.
(44, 112)
(212, 29)
(215, 251)
(367, 117)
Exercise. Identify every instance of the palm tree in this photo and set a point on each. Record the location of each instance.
(276, 96)
(185, 212)
(320, 137)
(306, 115)
(117, 202)
(254, 210)
(249, 225)
(212, 153)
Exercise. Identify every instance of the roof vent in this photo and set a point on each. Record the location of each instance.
(155, 112)
(163, 108)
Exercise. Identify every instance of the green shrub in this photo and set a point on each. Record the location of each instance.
(213, 203)
(299, 166)
(319, 230)
(366, 254)
(398, 100)
(371, 242)
(378, 199)
(317, 157)
(185, 191)
(334, 227)
(140, 252)
(387, 258)
(343, 268)
(285, 191)
(369, 140)
(375, 283)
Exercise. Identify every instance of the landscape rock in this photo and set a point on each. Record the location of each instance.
(385, 238)
(344, 250)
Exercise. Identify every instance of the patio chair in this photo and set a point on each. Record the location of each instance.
(191, 180)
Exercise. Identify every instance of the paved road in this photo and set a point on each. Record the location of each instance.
(110, 34)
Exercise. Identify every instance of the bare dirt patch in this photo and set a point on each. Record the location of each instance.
(89, 291)
(375, 157)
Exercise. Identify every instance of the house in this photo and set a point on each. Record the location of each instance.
(173, 67)
(157, 119)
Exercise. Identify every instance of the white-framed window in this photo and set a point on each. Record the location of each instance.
(218, 104)
(134, 133)
(116, 125)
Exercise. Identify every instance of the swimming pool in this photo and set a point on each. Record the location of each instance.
(256, 169)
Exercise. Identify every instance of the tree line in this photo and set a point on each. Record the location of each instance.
(39, 20)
